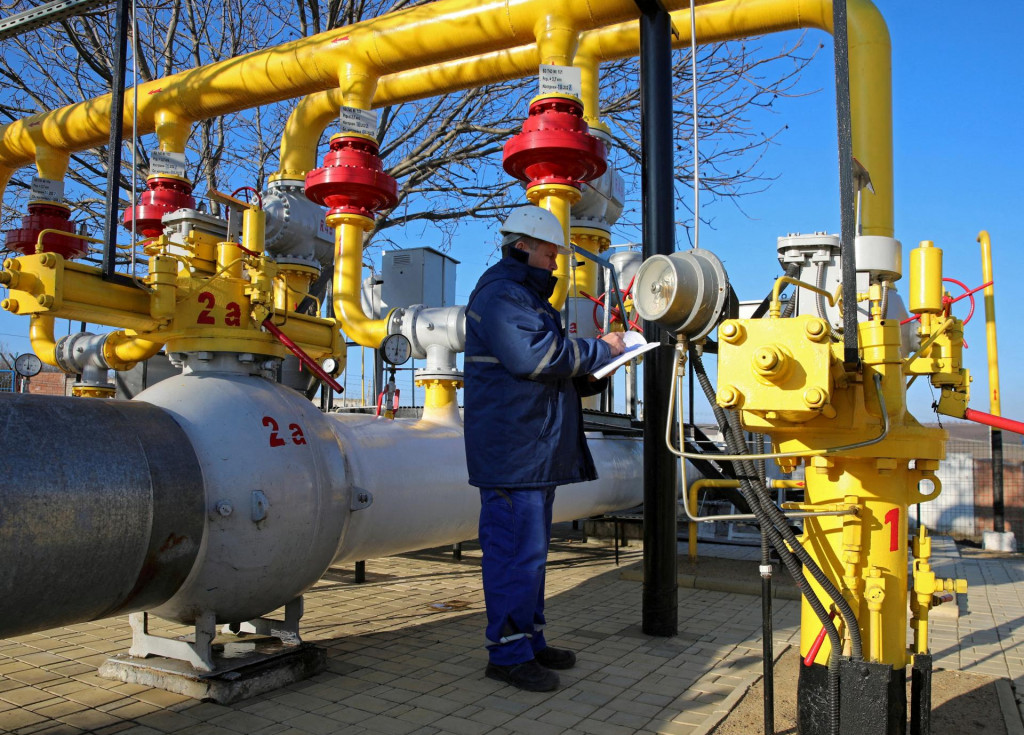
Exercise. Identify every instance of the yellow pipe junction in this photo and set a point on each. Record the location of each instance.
(990, 323)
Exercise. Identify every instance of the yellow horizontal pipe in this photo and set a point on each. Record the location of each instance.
(123, 351)
(407, 39)
(870, 79)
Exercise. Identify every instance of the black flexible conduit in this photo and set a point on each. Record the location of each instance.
(778, 532)
(767, 644)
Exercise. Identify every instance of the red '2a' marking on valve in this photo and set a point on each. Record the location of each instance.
(276, 440)
(893, 518)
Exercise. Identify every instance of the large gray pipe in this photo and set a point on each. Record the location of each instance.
(101, 510)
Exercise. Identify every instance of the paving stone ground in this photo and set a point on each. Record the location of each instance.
(406, 655)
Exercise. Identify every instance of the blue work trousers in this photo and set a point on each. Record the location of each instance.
(515, 527)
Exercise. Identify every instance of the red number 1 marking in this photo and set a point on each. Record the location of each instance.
(893, 517)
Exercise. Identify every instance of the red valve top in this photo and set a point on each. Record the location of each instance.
(555, 146)
(46, 216)
(166, 194)
(352, 180)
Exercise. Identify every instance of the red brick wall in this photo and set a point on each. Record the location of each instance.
(1013, 496)
(50, 384)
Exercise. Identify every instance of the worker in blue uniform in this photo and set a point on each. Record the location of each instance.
(524, 436)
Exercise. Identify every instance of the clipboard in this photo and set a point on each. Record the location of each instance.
(636, 345)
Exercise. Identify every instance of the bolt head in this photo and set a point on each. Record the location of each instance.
(728, 397)
(45, 300)
(815, 330)
(10, 305)
(731, 332)
(814, 397)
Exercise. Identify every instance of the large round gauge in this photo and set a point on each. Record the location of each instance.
(396, 349)
(28, 365)
(686, 292)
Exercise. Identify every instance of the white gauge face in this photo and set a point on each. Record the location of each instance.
(396, 349)
(330, 365)
(655, 288)
(28, 365)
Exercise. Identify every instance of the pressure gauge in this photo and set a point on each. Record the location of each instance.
(396, 349)
(686, 293)
(330, 365)
(28, 365)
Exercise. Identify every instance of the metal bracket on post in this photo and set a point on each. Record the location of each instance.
(198, 654)
(286, 630)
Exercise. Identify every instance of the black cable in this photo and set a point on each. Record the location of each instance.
(792, 555)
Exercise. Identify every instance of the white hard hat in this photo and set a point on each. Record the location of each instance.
(537, 223)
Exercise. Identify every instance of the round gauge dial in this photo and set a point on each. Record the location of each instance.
(396, 349)
(330, 365)
(28, 365)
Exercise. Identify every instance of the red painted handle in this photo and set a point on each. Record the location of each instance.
(305, 359)
(997, 422)
(812, 653)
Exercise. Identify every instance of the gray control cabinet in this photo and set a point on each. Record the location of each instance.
(418, 276)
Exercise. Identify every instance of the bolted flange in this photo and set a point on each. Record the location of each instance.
(165, 194)
(555, 145)
(352, 179)
(46, 216)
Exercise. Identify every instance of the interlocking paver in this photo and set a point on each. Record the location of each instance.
(397, 665)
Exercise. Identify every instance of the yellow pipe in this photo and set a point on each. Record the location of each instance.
(406, 39)
(123, 351)
(348, 278)
(172, 130)
(990, 323)
(40, 334)
(439, 400)
(557, 199)
(775, 310)
(584, 275)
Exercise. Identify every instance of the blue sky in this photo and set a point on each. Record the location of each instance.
(959, 158)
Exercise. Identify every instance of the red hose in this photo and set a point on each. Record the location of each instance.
(998, 422)
(305, 359)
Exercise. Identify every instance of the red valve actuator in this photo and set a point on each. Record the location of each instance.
(352, 179)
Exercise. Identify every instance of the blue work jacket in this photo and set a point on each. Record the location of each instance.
(524, 379)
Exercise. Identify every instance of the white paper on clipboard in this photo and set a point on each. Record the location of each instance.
(635, 346)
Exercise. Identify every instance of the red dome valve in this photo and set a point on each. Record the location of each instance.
(555, 146)
(352, 180)
(166, 194)
(46, 216)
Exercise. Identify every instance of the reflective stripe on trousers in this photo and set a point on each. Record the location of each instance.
(515, 528)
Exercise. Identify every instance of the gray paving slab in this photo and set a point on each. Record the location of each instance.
(399, 661)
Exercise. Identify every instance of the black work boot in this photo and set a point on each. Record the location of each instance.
(555, 658)
(529, 676)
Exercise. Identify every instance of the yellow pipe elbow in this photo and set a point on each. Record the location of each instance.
(123, 351)
(51, 163)
(40, 334)
(302, 131)
(348, 279)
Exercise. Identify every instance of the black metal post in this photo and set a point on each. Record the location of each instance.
(998, 519)
(660, 611)
(847, 205)
(116, 134)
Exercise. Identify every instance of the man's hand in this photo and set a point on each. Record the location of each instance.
(615, 341)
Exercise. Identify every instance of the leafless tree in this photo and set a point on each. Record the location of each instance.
(444, 151)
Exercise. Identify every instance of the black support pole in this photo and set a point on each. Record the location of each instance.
(117, 73)
(848, 227)
(660, 612)
(998, 516)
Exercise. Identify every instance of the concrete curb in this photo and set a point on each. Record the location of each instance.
(1008, 704)
(734, 698)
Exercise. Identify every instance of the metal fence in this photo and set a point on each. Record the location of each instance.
(964, 507)
(7, 381)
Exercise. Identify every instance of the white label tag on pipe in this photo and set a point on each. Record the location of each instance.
(561, 80)
(354, 120)
(167, 164)
(46, 190)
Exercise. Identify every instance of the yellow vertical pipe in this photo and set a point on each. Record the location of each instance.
(172, 130)
(557, 199)
(348, 278)
(439, 401)
(990, 323)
